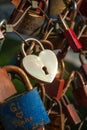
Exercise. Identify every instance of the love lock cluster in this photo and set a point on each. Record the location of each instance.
(48, 25)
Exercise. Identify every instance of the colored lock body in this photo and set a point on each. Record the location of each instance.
(70, 111)
(7, 88)
(72, 40)
(71, 37)
(55, 89)
(24, 111)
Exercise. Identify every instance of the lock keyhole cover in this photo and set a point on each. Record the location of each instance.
(43, 67)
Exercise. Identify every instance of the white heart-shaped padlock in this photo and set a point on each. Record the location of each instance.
(43, 67)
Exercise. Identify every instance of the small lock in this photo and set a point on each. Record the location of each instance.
(15, 16)
(83, 67)
(56, 116)
(23, 111)
(70, 111)
(71, 37)
(31, 24)
(40, 63)
(80, 92)
(55, 89)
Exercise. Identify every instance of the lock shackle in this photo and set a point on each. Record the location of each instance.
(17, 22)
(69, 80)
(80, 56)
(21, 73)
(44, 42)
(58, 103)
(62, 70)
(65, 100)
(30, 39)
(42, 88)
(78, 74)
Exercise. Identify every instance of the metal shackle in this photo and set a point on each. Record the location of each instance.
(21, 73)
(30, 39)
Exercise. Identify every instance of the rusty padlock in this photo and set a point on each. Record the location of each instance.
(55, 89)
(35, 63)
(80, 91)
(6, 86)
(23, 111)
(70, 111)
(56, 116)
(73, 41)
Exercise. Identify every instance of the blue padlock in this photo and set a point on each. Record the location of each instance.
(25, 111)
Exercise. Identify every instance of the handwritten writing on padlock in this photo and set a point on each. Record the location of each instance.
(43, 66)
(23, 111)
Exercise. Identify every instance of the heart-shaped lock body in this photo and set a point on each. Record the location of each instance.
(42, 67)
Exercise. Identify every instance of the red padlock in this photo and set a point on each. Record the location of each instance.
(71, 37)
(55, 89)
(70, 111)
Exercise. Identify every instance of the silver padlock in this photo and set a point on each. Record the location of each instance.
(42, 66)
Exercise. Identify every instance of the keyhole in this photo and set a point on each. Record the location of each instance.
(45, 70)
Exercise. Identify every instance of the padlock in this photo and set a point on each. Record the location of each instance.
(56, 116)
(16, 2)
(6, 86)
(73, 41)
(55, 89)
(80, 91)
(23, 111)
(43, 65)
(31, 24)
(83, 67)
(70, 111)
(56, 7)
